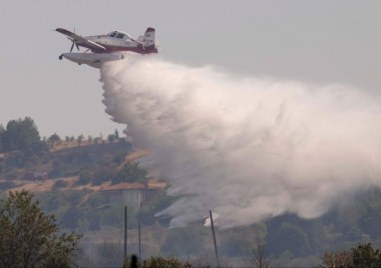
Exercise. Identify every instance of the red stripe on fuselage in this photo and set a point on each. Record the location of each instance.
(140, 50)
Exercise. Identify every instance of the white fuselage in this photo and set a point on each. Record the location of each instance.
(114, 43)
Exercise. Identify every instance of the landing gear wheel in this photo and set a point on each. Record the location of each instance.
(60, 57)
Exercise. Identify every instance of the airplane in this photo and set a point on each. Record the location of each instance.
(108, 47)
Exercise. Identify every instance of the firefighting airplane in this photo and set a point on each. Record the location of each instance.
(108, 47)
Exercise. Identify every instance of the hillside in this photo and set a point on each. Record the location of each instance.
(87, 182)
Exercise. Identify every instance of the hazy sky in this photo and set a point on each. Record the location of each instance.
(321, 42)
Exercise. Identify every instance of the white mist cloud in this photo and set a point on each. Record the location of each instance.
(246, 148)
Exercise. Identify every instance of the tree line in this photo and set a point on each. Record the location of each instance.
(21, 135)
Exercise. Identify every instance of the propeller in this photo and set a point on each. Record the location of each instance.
(72, 46)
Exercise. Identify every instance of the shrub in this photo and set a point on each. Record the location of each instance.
(59, 184)
(157, 262)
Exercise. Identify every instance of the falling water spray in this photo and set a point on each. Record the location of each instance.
(248, 148)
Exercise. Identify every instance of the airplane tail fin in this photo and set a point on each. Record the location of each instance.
(148, 39)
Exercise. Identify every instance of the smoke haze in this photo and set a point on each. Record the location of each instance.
(247, 148)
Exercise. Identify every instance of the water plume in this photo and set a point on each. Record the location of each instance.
(247, 148)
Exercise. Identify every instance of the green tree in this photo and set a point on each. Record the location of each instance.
(363, 255)
(29, 238)
(2, 130)
(116, 134)
(22, 134)
(16, 159)
(366, 256)
(130, 172)
(80, 139)
(111, 138)
(53, 140)
(59, 184)
(90, 139)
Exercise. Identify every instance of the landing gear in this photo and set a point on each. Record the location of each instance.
(60, 57)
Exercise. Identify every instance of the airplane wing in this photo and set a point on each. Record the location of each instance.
(81, 41)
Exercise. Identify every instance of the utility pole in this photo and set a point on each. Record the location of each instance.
(140, 241)
(214, 238)
(139, 230)
(125, 232)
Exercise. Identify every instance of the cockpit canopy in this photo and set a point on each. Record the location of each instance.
(119, 35)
